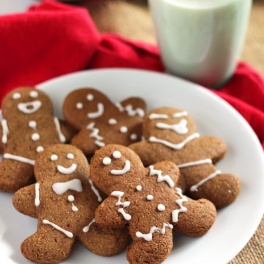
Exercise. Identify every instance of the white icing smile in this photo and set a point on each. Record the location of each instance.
(68, 170)
(29, 107)
(125, 169)
(99, 112)
(179, 128)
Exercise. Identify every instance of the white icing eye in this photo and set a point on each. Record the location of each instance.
(106, 161)
(32, 124)
(123, 129)
(150, 197)
(53, 157)
(161, 207)
(90, 97)
(112, 121)
(16, 96)
(79, 105)
(33, 94)
(70, 198)
(40, 149)
(70, 156)
(117, 154)
(133, 136)
(139, 188)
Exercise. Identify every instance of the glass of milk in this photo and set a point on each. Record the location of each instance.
(201, 40)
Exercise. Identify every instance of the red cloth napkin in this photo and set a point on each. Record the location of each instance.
(53, 39)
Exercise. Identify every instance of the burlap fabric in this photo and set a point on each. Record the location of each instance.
(131, 19)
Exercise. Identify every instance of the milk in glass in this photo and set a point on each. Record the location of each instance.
(201, 40)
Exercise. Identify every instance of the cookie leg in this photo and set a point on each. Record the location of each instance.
(104, 242)
(151, 252)
(47, 245)
(15, 175)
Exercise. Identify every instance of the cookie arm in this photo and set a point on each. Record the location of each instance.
(84, 142)
(24, 200)
(196, 219)
(145, 150)
(65, 131)
(3, 133)
(133, 106)
(213, 147)
(107, 214)
(166, 171)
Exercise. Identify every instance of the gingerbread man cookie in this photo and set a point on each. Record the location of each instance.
(27, 127)
(170, 134)
(148, 201)
(101, 122)
(64, 200)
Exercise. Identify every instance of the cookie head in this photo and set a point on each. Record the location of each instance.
(169, 124)
(114, 164)
(26, 102)
(61, 160)
(83, 106)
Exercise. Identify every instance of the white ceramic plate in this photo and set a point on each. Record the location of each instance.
(235, 224)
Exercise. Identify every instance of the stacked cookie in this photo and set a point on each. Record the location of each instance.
(149, 175)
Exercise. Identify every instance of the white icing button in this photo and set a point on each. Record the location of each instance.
(35, 136)
(79, 105)
(117, 154)
(150, 197)
(53, 157)
(16, 96)
(40, 149)
(70, 198)
(139, 188)
(106, 161)
(70, 156)
(133, 136)
(112, 121)
(33, 94)
(74, 208)
(90, 97)
(161, 207)
(32, 124)
(123, 129)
